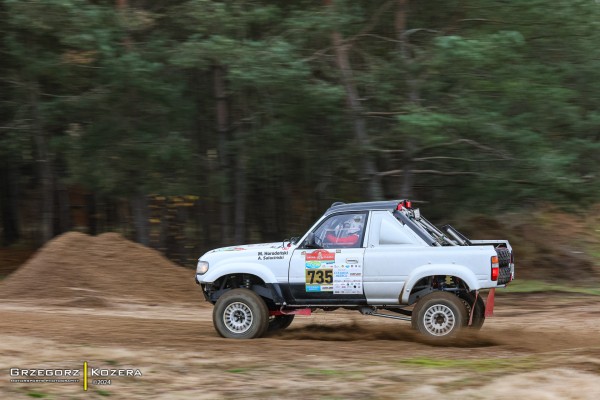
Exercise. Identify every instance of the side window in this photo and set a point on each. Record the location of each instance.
(341, 231)
(392, 232)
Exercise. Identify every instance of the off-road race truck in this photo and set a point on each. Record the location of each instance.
(380, 258)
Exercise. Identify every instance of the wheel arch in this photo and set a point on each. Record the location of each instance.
(225, 282)
(257, 270)
(432, 270)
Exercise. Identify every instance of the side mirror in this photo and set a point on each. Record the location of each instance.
(310, 240)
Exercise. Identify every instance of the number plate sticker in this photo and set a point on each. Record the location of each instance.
(324, 274)
(320, 276)
(319, 271)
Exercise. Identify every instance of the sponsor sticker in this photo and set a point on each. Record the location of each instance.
(324, 274)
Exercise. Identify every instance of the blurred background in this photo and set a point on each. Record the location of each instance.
(189, 125)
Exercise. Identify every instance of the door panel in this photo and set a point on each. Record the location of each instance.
(333, 272)
(327, 276)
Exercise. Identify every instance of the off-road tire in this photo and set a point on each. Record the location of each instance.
(279, 322)
(241, 314)
(439, 316)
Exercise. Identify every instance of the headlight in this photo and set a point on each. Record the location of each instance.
(202, 267)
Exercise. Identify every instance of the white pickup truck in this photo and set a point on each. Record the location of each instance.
(380, 258)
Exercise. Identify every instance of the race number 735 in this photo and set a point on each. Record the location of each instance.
(319, 276)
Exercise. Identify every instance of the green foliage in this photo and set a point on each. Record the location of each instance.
(493, 103)
(534, 286)
(37, 395)
(238, 370)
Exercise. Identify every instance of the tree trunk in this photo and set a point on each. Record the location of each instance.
(63, 216)
(205, 221)
(9, 203)
(406, 188)
(122, 6)
(44, 166)
(139, 206)
(92, 213)
(224, 161)
(240, 195)
(369, 170)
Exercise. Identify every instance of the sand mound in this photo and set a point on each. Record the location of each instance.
(78, 266)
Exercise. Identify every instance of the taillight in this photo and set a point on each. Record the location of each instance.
(495, 268)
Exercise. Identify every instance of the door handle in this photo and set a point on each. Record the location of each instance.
(352, 260)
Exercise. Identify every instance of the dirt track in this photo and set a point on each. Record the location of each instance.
(543, 346)
(120, 305)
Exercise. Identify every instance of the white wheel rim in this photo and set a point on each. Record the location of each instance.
(238, 317)
(439, 320)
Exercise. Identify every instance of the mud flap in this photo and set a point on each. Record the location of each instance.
(473, 308)
(489, 306)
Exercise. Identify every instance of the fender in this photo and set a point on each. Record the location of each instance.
(459, 271)
(238, 268)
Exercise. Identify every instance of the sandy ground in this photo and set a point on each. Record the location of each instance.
(543, 346)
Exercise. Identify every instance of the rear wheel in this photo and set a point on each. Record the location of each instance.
(279, 322)
(240, 314)
(439, 316)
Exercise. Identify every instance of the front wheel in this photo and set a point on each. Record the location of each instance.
(439, 316)
(241, 314)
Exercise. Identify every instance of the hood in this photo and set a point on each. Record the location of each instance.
(250, 252)
(269, 261)
(281, 246)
